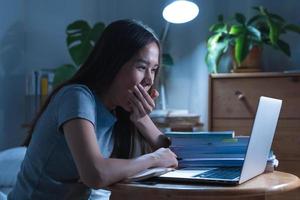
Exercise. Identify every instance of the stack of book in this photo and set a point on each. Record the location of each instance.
(212, 149)
(173, 119)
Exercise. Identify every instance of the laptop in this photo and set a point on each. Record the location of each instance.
(256, 156)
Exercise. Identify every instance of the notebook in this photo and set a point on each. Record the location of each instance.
(256, 157)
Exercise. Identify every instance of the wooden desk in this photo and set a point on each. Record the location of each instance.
(258, 188)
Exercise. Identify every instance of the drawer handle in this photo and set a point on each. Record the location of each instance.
(239, 95)
(242, 98)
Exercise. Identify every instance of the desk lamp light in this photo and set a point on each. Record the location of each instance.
(180, 11)
(177, 12)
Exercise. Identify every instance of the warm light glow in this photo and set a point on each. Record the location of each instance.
(180, 11)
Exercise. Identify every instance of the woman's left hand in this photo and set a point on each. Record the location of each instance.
(141, 102)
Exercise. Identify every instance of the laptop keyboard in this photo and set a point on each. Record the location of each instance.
(221, 173)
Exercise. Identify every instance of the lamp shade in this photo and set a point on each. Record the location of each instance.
(180, 11)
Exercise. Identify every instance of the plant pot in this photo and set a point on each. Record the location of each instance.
(252, 63)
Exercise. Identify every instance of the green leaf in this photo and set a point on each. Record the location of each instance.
(215, 49)
(97, 31)
(79, 25)
(237, 30)
(80, 52)
(274, 32)
(263, 10)
(254, 33)
(241, 48)
(284, 47)
(276, 17)
(81, 38)
(254, 19)
(63, 73)
(219, 27)
(240, 18)
(292, 27)
(73, 38)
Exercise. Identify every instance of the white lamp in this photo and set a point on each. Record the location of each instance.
(177, 12)
(180, 11)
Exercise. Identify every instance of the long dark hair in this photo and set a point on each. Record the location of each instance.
(119, 42)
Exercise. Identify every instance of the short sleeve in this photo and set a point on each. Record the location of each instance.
(75, 102)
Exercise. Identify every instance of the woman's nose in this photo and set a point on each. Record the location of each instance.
(148, 79)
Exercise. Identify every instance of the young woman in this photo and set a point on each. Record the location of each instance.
(94, 130)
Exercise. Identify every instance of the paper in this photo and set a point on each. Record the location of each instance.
(148, 173)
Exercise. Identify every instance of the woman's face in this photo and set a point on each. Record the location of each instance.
(138, 70)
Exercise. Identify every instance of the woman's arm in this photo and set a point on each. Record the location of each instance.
(96, 171)
(142, 104)
(152, 134)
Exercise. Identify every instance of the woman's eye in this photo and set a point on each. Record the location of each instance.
(154, 70)
(141, 67)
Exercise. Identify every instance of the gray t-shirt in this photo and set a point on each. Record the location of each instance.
(48, 170)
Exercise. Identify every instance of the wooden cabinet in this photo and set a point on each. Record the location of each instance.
(233, 103)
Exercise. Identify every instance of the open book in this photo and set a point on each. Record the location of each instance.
(148, 173)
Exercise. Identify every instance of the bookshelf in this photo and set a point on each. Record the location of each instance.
(39, 84)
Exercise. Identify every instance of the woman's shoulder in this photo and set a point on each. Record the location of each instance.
(75, 88)
(75, 91)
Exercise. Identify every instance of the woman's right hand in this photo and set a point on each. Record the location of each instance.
(164, 157)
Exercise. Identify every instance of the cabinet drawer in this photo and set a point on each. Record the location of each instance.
(287, 140)
(290, 166)
(238, 97)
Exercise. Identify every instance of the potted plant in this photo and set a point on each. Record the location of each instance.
(81, 38)
(242, 37)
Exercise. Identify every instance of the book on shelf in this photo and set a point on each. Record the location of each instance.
(39, 84)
